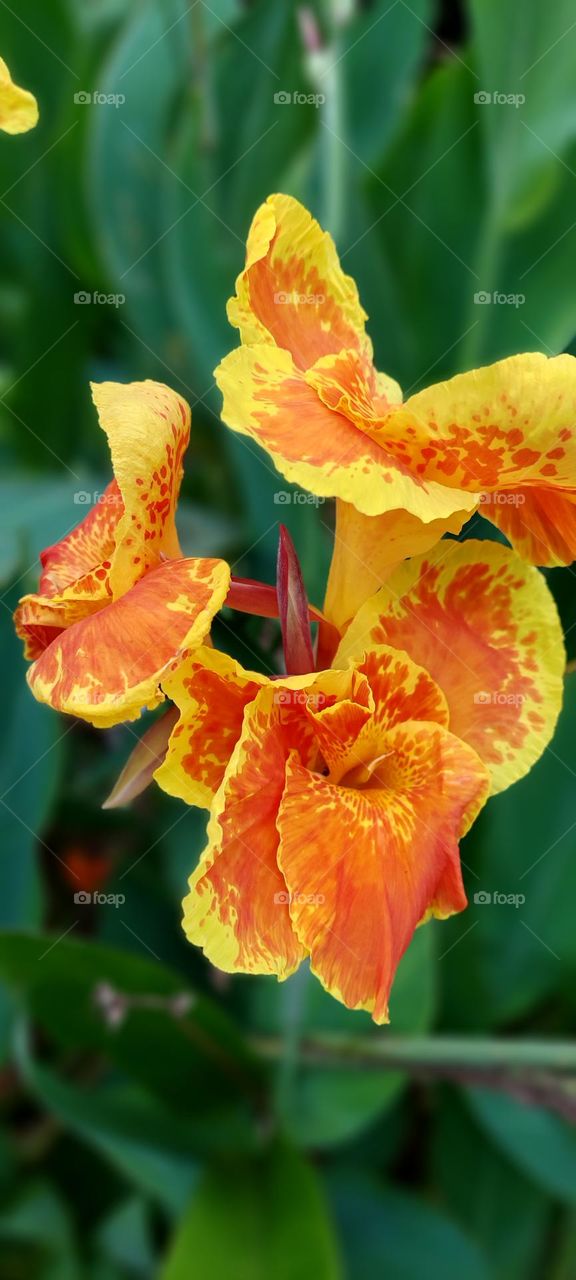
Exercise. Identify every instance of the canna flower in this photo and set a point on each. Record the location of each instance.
(117, 600)
(18, 107)
(337, 799)
(304, 386)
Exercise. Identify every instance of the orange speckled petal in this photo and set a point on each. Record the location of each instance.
(499, 427)
(237, 905)
(486, 628)
(82, 550)
(266, 397)
(106, 668)
(347, 382)
(368, 548)
(18, 107)
(148, 428)
(211, 691)
(540, 523)
(364, 866)
(292, 291)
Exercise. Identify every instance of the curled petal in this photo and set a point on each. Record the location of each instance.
(364, 865)
(18, 107)
(486, 628)
(78, 557)
(292, 291)
(266, 398)
(237, 906)
(106, 668)
(211, 692)
(148, 428)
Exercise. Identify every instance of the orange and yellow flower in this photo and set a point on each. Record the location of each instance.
(334, 828)
(303, 385)
(117, 599)
(18, 107)
(338, 798)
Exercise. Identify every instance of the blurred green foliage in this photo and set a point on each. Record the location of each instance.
(141, 1134)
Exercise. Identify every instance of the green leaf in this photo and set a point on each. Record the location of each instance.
(31, 758)
(526, 849)
(125, 1237)
(326, 1106)
(262, 1219)
(191, 1060)
(540, 1144)
(147, 1144)
(387, 1233)
(39, 1224)
(527, 54)
(507, 1214)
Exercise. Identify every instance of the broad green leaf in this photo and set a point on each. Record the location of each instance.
(126, 1237)
(388, 1233)
(540, 1143)
(38, 1223)
(521, 941)
(266, 1218)
(506, 1214)
(31, 759)
(324, 1106)
(189, 1060)
(527, 55)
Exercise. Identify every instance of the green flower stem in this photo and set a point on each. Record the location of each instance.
(439, 1053)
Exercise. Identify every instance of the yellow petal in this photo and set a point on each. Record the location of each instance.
(148, 428)
(18, 107)
(485, 626)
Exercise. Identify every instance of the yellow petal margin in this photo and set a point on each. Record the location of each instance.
(18, 107)
(109, 666)
(486, 627)
(148, 429)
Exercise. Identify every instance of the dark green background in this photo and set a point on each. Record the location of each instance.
(164, 1145)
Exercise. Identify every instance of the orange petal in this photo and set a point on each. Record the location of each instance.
(540, 523)
(293, 292)
(486, 628)
(18, 107)
(500, 427)
(237, 906)
(367, 548)
(364, 866)
(76, 556)
(211, 691)
(106, 668)
(75, 578)
(267, 398)
(148, 427)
